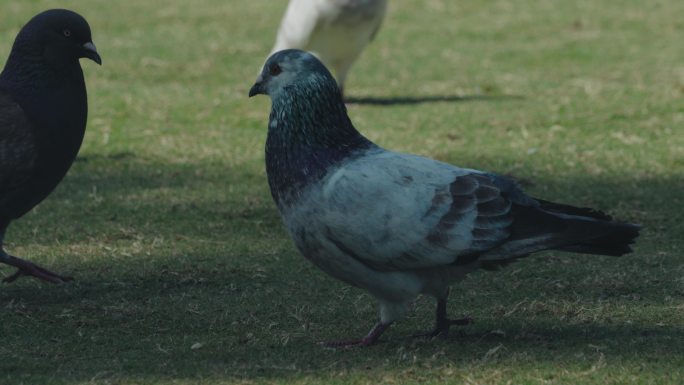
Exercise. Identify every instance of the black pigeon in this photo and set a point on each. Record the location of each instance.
(43, 113)
(400, 225)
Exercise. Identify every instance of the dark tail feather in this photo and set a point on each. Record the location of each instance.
(554, 226)
(560, 208)
(602, 235)
(615, 242)
(497, 264)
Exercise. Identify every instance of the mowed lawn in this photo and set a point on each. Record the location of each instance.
(185, 274)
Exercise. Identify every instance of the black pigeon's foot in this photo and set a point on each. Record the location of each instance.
(441, 329)
(29, 269)
(370, 339)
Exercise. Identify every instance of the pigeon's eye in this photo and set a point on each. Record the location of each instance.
(66, 32)
(274, 70)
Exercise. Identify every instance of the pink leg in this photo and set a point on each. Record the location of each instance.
(370, 338)
(29, 269)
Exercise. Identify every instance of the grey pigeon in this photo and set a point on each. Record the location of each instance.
(43, 111)
(336, 31)
(400, 225)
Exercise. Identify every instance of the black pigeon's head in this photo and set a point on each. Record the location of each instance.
(58, 36)
(292, 70)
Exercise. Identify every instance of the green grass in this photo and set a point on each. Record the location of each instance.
(185, 274)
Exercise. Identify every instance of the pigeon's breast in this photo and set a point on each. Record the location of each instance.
(58, 119)
(309, 230)
(60, 127)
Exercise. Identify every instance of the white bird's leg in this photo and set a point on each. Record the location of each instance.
(27, 268)
(442, 323)
(370, 338)
(341, 72)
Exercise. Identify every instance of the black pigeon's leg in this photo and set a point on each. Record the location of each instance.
(27, 268)
(442, 323)
(370, 338)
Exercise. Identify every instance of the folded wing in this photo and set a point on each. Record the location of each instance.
(17, 155)
(400, 212)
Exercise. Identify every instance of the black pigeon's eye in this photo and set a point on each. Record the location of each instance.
(66, 32)
(274, 69)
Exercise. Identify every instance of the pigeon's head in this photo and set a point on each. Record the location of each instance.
(58, 35)
(291, 70)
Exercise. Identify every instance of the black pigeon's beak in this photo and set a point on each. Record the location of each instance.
(258, 87)
(90, 52)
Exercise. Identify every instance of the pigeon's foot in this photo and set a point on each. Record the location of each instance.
(442, 323)
(29, 269)
(441, 329)
(344, 344)
(370, 339)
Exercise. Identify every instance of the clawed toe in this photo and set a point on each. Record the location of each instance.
(346, 344)
(26, 268)
(370, 339)
(467, 320)
(441, 330)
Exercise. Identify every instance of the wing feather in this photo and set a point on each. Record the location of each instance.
(17, 150)
(399, 212)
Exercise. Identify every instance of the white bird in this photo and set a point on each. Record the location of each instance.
(336, 31)
(400, 225)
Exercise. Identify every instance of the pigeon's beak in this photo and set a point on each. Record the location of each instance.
(258, 87)
(90, 52)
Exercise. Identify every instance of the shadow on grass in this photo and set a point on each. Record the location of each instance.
(224, 324)
(105, 195)
(245, 305)
(407, 100)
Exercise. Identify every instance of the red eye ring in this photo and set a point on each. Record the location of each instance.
(274, 69)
